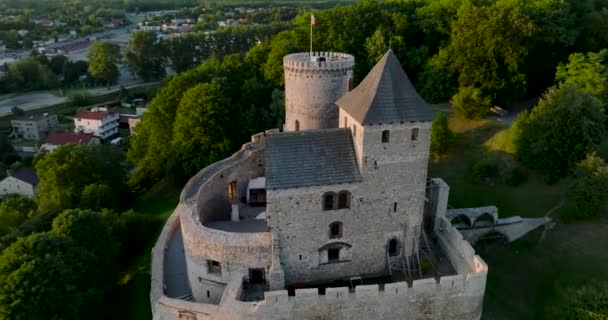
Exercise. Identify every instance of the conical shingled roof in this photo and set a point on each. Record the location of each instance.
(386, 95)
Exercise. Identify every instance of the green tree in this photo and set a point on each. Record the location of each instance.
(97, 197)
(588, 72)
(441, 135)
(56, 63)
(558, 133)
(103, 57)
(6, 148)
(30, 74)
(90, 230)
(488, 49)
(471, 103)
(376, 46)
(44, 276)
(146, 56)
(65, 172)
(587, 189)
(14, 210)
(589, 302)
(199, 134)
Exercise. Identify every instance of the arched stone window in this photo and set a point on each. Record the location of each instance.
(335, 252)
(393, 247)
(328, 201)
(297, 125)
(335, 230)
(343, 200)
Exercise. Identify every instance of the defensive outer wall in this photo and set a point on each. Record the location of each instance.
(312, 86)
(456, 297)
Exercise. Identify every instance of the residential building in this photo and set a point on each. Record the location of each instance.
(56, 139)
(101, 122)
(22, 182)
(34, 127)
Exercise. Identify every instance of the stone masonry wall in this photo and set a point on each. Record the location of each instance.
(206, 199)
(458, 297)
(312, 88)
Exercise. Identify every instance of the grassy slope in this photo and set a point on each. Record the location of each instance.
(132, 297)
(525, 275)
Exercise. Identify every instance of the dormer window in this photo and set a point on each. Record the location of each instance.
(385, 136)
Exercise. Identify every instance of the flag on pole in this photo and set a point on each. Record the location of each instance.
(313, 21)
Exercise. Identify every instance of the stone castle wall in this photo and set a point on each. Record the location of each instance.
(458, 297)
(312, 88)
(205, 199)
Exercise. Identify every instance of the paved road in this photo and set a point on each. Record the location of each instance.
(30, 101)
(42, 99)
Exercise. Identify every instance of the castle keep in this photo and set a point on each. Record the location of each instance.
(332, 217)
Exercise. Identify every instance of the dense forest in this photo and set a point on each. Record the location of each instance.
(78, 232)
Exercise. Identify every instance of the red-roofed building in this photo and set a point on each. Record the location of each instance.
(56, 139)
(101, 122)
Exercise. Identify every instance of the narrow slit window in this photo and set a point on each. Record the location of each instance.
(395, 207)
(232, 190)
(385, 136)
(414, 134)
(328, 201)
(297, 125)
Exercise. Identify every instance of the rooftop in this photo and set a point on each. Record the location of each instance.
(311, 157)
(26, 175)
(59, 138)
(92, 115)
(386, 95)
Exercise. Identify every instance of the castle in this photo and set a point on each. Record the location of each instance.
(333, 218)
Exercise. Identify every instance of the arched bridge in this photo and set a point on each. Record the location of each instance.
(475, 223)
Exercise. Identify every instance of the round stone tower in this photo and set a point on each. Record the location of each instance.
(312, 86)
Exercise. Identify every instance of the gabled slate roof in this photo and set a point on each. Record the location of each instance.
(386, 95)
(310, 158)
(27, 175)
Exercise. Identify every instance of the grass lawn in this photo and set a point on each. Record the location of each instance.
(524, 276)
(132, 297)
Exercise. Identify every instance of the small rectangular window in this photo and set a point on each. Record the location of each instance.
(395, 207)
(345, 122)
(385, 136)
(354, 131)
(214, 267)
(414, 134)
(333, 255)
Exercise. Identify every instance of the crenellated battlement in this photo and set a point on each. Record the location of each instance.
(334, 62)
(470, 283)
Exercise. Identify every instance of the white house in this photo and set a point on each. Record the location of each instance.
(22, 182)
(101, 122)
